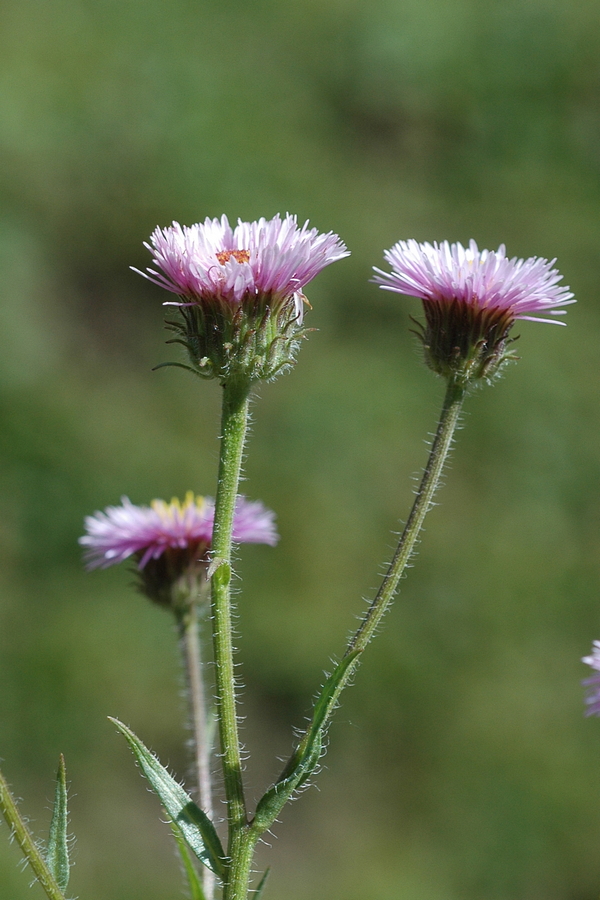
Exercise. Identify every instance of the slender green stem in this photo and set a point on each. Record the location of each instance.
(27, 843)
(241, 853)
(191, 652)
(190, 642)
(442, 441)
(233, 433)
(305, 756)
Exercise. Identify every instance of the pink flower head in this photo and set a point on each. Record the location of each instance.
(147, 532)
(241, 300)
(471, 299)
(592, 700)
(485, 279)
(272, 259)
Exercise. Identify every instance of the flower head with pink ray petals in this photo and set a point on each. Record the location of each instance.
(273, 259)
(471, 299)
(592, 699)
(241, 299)
(486, 279)
(146, 532)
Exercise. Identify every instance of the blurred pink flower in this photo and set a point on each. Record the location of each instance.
(146, 532)
(270, 259)
(484, 279)
(592, 700)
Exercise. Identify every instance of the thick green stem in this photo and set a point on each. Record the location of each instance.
(241, 853)
(27, 843)
(233, 433)
(190, 642)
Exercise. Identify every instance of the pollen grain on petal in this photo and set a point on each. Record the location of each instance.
(241, 256)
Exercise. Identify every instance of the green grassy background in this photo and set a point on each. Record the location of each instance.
(460, 765)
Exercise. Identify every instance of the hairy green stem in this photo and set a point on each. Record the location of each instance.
(306, 755)
(242, 837)
(241, 853)
(27, 843)
(190, 642)
(442, 441)
(234, 423)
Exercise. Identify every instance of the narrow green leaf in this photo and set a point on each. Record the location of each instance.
(308, 752)
(194, 825)
(306, 755)
(57, 855)
(196, 891)
(261, 885)
(328, 696)
(26, 842)
(272, 802)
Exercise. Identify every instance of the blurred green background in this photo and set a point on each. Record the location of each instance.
(460, 764)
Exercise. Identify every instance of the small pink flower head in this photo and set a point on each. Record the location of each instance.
(471, 299)
(241, 289)
(273, 260)
(169, 541)
(592, 700)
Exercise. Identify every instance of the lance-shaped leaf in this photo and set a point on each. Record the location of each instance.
(261, 885)
(57, 854)
(308, 752)
(26, 842)
(194, 825)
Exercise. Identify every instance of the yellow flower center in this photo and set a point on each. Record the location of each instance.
(168, 511)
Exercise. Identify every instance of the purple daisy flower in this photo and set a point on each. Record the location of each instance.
(147, 532)
(471, 299)
(272, 259)
(241, 300)
(485, 279)
(592, 700)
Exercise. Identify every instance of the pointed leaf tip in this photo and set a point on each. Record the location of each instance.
(57, 855)
(194, 825)
(261, 884)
